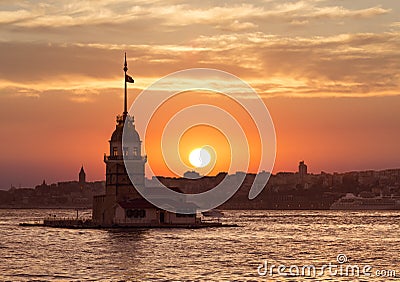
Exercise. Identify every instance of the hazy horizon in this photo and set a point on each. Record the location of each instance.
(149, 178)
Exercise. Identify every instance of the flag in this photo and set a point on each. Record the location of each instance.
(129, 79)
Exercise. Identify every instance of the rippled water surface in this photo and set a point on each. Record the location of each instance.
(219, 254)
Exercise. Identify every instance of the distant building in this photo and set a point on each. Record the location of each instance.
(302, 171)
(191, 174)
(82, 176)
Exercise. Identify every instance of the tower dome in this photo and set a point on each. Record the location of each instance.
(130, 132)
(125, 128)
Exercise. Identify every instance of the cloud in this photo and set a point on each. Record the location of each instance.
(236, 16)
(341, 12)
(361, 64)
(10, 17)
(299, 22)
(238, 26)
(78, 45)
(395, 24)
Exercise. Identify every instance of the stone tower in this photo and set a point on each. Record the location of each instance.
(119, 186)
(118, 182)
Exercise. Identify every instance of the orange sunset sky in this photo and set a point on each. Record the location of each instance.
(328, 71)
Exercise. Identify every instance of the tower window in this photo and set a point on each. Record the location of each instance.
(126, 152)
(135, 151)
(115, 151)
(136, 213)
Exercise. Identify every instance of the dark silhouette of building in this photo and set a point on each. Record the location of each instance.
(122, 205)
(191, 174)
(66, 194)
(302, 171)
(119, 187)
(82, 176)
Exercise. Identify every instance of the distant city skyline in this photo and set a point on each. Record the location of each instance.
(328, 71)
(302, 169)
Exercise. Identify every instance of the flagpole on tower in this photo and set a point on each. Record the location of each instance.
(125, 97)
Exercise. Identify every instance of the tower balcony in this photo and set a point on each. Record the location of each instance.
(121, 158)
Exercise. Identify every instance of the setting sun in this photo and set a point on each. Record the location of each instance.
(199, 157)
